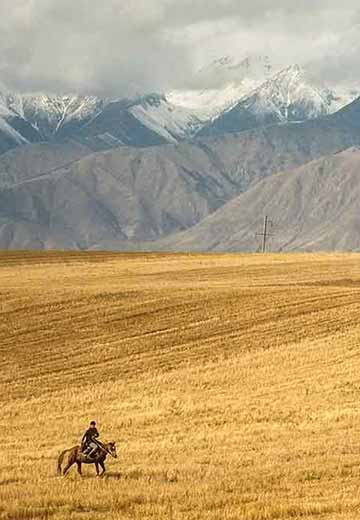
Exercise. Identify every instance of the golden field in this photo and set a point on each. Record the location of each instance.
(231, 384)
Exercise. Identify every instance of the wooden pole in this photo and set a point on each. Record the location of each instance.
(265, 234)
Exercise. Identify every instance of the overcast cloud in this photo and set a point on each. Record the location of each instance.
(114, 48)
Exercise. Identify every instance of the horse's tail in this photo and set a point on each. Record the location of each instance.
(60, 461)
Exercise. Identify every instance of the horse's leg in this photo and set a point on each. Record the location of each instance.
(71, 461)
(60, 461)
(67, 467)
(97, 468)
(79, 467)
(102, 467)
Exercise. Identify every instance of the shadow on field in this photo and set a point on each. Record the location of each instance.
(159, 476)
(112, 475)
(8, 481)
(136, 474)
(76, 476)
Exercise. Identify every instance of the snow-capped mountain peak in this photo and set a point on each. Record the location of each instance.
(222, 84)
(228, 95)
(288, 96)
(49, 114)
(296, 96)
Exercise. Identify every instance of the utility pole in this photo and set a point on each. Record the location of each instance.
(265, 234)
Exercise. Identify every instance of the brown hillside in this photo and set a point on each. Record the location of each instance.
(129, 195)
(312, 208)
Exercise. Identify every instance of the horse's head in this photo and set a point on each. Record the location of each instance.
(111, 446)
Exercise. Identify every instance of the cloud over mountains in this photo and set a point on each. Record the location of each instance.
(113, 47)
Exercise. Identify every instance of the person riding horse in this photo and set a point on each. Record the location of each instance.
(89, 446)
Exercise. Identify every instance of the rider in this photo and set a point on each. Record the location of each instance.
(88, 446)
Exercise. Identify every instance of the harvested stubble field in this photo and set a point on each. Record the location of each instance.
(231, 384)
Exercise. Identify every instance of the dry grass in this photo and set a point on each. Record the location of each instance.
(230, 382)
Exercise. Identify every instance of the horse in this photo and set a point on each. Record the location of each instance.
(75, 455)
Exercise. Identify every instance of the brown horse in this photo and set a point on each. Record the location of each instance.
(75, 455)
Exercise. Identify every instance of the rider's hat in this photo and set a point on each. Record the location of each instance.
(93, 423)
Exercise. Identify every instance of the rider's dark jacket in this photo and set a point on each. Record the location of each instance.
(90, 434)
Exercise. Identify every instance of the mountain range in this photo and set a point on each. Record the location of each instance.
(189, 170)
(314, 207)
(252, 98)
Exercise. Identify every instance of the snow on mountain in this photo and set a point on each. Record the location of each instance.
(341, 95)
(289, 96)
(228, 95)
(7, 130)
(14, 131)
(51, 114)
(292, 94)
(62, 116)
(4, 110)
(254, 91)
(209, 103)
(221, 84)
(170, 120)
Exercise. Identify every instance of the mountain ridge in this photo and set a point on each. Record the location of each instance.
(127, 176)
(312, 208)
(126, 196)
(253, 93)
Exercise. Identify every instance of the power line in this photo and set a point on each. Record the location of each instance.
(265, 234)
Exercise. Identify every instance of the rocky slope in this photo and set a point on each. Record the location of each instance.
(125, 196)
(34, 160)
(312, 208)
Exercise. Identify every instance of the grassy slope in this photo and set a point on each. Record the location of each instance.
(230, 382)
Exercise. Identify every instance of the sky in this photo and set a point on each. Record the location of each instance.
(118, 47)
